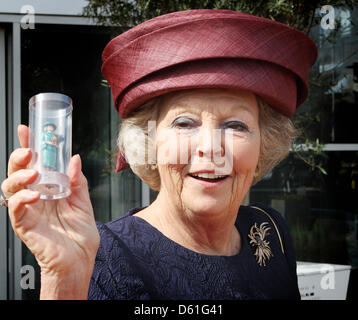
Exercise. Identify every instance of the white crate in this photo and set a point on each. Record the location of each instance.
(321, 281)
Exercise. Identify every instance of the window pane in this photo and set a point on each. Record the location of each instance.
(330, 111)
(127, 193)
(153, 195)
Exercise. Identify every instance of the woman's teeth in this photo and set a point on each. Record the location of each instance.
(208, 176)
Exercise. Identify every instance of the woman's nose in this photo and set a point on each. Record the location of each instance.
(210, 144)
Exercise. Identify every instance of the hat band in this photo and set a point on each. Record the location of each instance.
(274, 84)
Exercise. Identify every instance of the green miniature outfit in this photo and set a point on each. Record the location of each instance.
(49, 152)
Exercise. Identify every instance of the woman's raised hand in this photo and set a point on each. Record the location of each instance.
(62, 234)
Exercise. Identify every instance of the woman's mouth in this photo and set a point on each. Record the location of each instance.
(208, 179)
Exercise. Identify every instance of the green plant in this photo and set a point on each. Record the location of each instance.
(311, 152)
(127, 13)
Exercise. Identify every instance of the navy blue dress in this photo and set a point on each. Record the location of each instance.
(136, 261)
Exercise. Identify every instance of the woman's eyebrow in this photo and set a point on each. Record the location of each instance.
(242, 105)
(181, 108)
(235, 110)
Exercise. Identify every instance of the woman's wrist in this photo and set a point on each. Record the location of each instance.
(70, 286)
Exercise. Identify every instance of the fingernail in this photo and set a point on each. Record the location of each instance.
(79, 158)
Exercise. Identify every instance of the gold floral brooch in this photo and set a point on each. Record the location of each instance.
(257, 239)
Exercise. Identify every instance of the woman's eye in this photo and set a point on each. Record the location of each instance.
(236, 125)
(183, 123)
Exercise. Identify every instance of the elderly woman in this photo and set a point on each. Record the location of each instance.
(206, 97)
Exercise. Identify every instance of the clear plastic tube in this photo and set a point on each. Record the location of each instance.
(50, 140)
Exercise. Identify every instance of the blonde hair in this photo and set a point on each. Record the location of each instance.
(134, 142)
(277, 133)
(276, 130)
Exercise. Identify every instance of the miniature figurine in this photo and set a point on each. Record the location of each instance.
(49, 146)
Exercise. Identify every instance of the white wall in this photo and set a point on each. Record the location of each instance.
(59, 7)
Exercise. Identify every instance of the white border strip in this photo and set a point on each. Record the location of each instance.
(332, 147)
(340, 147)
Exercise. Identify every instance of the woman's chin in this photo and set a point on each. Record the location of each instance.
(207, 200)
(205, 204)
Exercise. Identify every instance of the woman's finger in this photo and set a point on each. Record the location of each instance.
(23, 133)
(79, 185)
(17, 181)
(19, 159)
(17, 204)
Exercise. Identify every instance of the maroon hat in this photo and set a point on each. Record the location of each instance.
(209, 49)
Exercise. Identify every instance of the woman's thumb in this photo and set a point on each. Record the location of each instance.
(75, 174)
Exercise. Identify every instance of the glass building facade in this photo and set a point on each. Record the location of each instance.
(63, 54)
(315, 187)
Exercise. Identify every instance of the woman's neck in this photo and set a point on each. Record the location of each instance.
(213, 235)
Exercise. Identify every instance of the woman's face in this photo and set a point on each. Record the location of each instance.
(208, 145)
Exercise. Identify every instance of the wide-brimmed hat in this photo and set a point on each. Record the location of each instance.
(209, 49)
